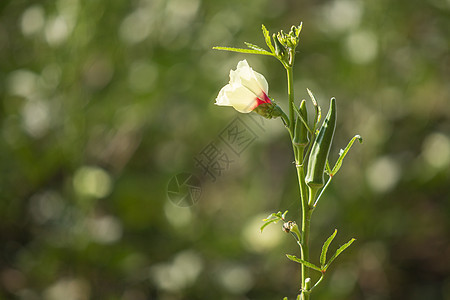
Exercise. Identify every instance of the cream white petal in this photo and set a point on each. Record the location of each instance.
(262, 82)
(244, 75)
(242, 99)
(244, 88)
(222, 98)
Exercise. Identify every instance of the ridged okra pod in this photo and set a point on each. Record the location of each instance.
(300, 131)
(321, 148)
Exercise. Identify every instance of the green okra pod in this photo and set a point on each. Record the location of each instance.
(321, 148)
(300, 131)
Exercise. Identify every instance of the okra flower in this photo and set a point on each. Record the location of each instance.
(246, 91)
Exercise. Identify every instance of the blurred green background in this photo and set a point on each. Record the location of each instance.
(103, 102)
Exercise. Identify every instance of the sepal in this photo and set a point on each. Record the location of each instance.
(269, 110)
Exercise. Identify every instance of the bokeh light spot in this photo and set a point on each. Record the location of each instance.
(361, 46)
(177, 216)
(343, 280)
(383, 174)
(33, 20)
(68, 289)
(98, 73)
(56, 31)
(36, 118)
(236, 279)
(180, 273)
(436, 150)
(92, 181)
(342, 15)
(135, 27)
(22, 83)
(51, 76)
(46, 206)
(105, 229)
(258, 241)
(12, 280)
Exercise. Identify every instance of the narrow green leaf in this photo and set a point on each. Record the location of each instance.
(277, 215)
(267, 38)
(269, 217)
(343, 153)
(255, 47)
(298, 297)
(338, 251)
(304, 262)
(323, 255)
(285, 298)
(240, 50)
(273, 218)
(268, 223)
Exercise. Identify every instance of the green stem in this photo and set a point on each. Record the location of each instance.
(318, 281)
(290, 75)
(321, 192)
(306, 223)
(304, 199)
(286, 121)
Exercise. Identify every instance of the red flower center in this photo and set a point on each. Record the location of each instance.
(260, 101)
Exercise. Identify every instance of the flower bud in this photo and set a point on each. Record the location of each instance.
(287, 226)
(279, 48)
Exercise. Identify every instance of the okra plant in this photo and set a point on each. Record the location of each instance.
(311, 141)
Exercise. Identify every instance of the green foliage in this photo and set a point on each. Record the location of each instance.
(304, 262)
(246, 51)
(342, 155)
(284, 49)
(255, 47)
(267, 38)
(273, 218)
(323, 255)
(324, 265)
(338, 252)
